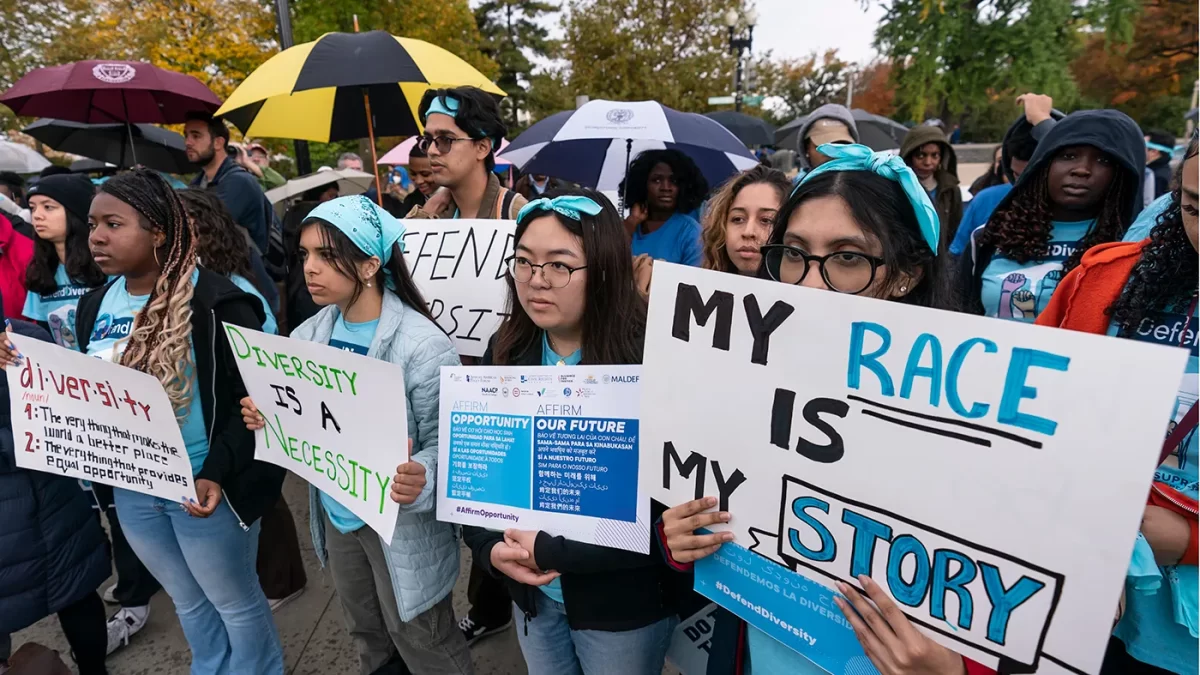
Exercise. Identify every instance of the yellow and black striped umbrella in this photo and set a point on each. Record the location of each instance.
(322, 90)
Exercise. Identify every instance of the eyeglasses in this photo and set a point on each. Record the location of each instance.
(555, 274)
(844, 271)
(443, 143)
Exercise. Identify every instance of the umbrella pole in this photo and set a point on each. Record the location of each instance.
(624, 182)
(128, 132)
(371, 137)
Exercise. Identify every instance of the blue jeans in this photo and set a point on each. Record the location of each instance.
(551, 647)
(207, 566)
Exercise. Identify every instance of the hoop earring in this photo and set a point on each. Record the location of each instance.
(156, 262)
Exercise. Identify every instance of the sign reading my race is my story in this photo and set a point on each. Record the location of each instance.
(459, 266)
(990, 475)
(83, 417)
(544, 448)
(336, 419)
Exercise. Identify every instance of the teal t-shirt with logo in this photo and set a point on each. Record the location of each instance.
(270, 326)
(356, 338)
(1161, 619)
(1020, 291)
(553, 358)
(109, 338)
(57, 309)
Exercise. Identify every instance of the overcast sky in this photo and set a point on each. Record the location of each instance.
(795, 28)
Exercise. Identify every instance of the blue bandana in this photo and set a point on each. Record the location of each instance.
(1161, 148)
(891, 167)
(373, 230)
(571, 206)
(443, 105)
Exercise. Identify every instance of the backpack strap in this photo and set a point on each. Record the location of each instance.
(506, 200)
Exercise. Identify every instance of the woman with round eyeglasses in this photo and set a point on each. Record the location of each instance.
(858, 224)
(580, 608)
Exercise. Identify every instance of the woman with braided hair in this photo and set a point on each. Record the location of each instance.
(162, 315)
(1146, 290)
(1082, 187)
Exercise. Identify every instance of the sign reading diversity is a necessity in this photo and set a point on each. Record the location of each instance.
(544, 448)
(87, 418)
(322, 407)
(459, 266)
(963, 463)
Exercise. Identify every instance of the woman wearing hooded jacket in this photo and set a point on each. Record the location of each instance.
(930, 156)
(1083, 187)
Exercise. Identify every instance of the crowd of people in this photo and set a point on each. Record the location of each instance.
(1080, 223)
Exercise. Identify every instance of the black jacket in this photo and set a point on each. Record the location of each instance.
(1161, 168)
(251, 487)
(243, 196)
(1109, 130)
(603, 588)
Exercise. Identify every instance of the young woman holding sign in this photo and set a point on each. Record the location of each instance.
(586, 608)
(394, 597)
(62, 270)
(162, 315)
(860, 224)
(1147, 291)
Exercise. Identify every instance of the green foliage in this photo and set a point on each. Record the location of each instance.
(510, 34)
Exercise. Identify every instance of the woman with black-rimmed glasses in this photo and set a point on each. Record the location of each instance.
(581, 608)
(859, 224)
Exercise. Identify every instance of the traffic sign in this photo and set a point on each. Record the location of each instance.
(720, 100)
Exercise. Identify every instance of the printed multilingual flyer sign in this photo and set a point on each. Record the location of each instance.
(544, 448)
(962, 462)
(87, 418)
(459, 265)
(323, 407)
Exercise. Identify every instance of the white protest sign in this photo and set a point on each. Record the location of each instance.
(691, 641)
(336, 419)
(459, 267)
(83, 417)
(544, 448)
(990, 475)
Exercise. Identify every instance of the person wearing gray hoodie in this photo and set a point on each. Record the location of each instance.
(831, 123)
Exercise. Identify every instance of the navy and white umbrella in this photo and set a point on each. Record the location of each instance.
(593, 145)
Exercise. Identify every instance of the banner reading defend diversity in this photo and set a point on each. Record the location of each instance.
(459, 267)
(83, 417)
(989, 475)
(544, 448)
(336, 419)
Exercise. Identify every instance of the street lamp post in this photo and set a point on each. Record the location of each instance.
(738, 46)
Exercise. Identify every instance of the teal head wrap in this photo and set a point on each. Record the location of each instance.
(373, 230)
(891, 167)
(443, 105)
(571, 206)
(1151, 145)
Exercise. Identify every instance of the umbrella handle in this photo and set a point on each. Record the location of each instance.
(371, 137)
(625, 182)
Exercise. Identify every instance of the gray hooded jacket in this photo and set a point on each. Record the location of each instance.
(830, 111)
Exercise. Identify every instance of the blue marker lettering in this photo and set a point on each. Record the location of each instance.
(858, 359)
(866, 531)
(943, 581)
(1015, 389)
(828, 545)
(952, 369)
(911, 594)
(1004, 601)
(933, 371)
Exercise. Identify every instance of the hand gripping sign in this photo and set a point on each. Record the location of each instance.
(989, 475)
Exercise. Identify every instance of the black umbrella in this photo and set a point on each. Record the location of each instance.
(92, 166)
(116, 144)
(874, 131)
(749, 129)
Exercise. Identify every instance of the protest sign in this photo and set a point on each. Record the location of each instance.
(459, 267)
(544, 448)
(691, 641)
(323, 408)
(990, 475)
(83, 417)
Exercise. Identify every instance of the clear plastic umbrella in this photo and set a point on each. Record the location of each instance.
(20, 159)
(350, 182)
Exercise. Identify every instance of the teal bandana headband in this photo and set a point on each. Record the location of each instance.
(1160, 148)
(443, 105)
(373, 230)
(891, 167)
(571, 206)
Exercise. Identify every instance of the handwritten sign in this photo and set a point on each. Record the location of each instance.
(962, 462)
(323, 408)
(459, 266)
(544, 448)
(86, 418)
(692, 640)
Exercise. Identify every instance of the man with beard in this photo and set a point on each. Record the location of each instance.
(206, 139)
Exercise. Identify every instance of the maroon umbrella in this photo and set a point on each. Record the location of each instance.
(100, 92)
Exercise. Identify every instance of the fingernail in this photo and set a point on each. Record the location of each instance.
(840, 586)
(710, 501)
(726, 536)
(864, 580)
(725, 517)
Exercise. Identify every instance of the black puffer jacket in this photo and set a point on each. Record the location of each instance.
(52, 549)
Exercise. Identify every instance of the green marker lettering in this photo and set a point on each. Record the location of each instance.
(346, 487)
(353, 478)
(365, 472)
(353, 390)
(328, 382)
(383, 482)
(239, 343)
(283, 364)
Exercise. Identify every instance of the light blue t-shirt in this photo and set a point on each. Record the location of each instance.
(1020, 291)
(269, 325)
(676, 241)
(351, 337)
(976, 215)
(114, 320)
(551, 358)
(1161, 617)
(769, 656)
(1146, 220)
(58, 308)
